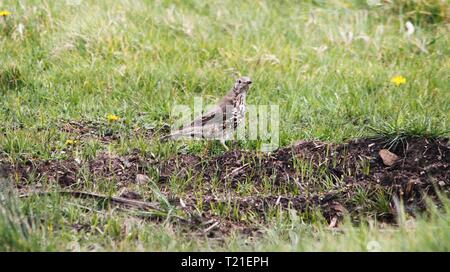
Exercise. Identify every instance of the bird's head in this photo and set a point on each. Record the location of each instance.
(242, 84)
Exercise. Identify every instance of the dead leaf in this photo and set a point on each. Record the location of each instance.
(388, 157)
(411, 184)
(183, 205)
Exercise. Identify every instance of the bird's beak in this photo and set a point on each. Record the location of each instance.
(248, 82)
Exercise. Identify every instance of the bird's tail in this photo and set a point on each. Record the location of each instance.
(185, 133)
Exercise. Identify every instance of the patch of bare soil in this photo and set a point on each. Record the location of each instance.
(89, 130)
(324, 176)
(103, 132)
(119, 169)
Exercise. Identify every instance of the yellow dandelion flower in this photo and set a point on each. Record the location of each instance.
(4, 13)
(112, 118)
(71, 142)
(398, 80)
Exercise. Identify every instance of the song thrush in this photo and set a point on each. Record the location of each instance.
(223, 119)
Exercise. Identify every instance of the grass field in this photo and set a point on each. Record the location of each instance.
(339, 70)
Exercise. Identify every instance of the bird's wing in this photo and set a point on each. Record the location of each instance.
(215, 112)
(208, 116)
(220, 108)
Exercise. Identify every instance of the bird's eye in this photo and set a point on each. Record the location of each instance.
(239, 81)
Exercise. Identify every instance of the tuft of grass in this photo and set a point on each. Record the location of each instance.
(19, 232)
(11, 78)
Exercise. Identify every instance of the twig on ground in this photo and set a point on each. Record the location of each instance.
(236, 171)
(211, 227)
(117, 200)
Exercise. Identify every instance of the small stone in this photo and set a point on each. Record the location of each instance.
(126, 163)
(441, 183)
(142, 179)
(388, 157)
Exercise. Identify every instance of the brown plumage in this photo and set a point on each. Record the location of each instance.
(223, 119)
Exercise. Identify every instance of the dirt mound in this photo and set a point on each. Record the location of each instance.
(330, 176)
(420, 160)
(89, 130)
(119, 169)
(103, 131)
(352, 177)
